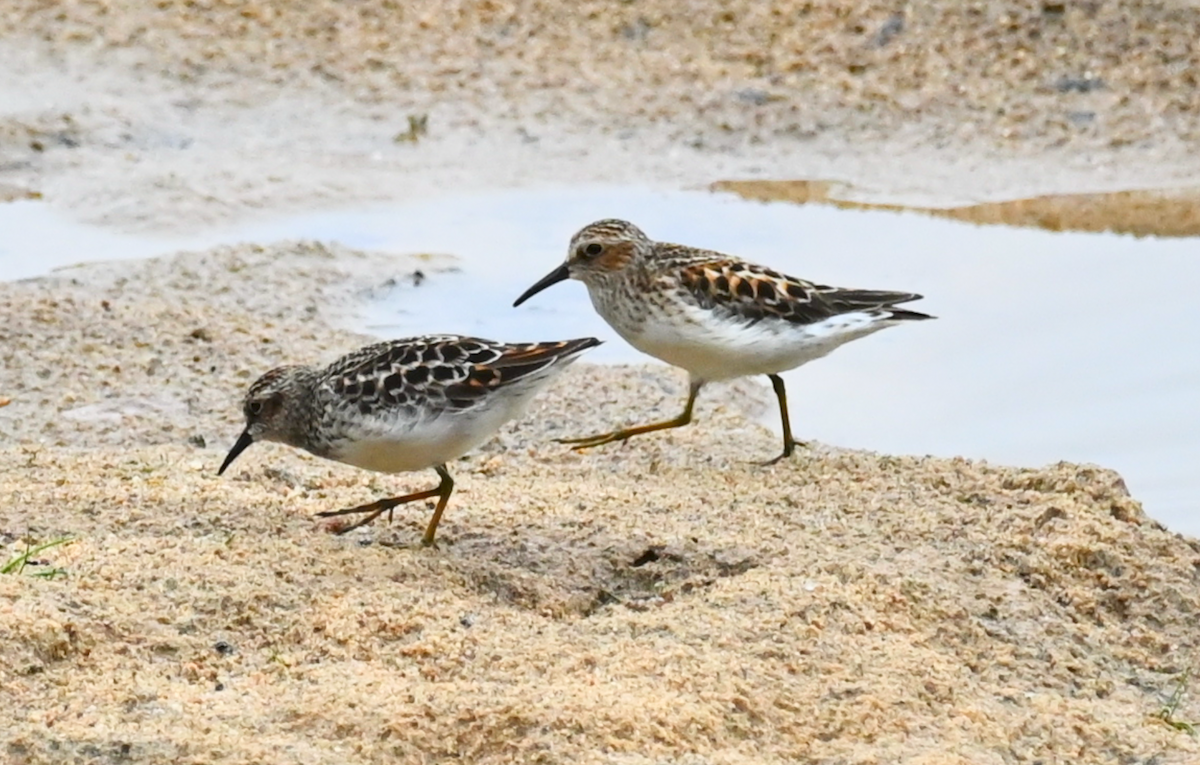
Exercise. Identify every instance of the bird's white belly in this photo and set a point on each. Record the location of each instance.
(398, 447)
(712, 348)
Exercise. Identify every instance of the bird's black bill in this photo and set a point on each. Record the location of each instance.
(243, 441)
(554, 277)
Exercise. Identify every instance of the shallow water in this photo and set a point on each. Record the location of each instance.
(1049, 346)
(35, 239)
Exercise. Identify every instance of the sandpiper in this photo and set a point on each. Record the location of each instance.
(402, 405)
(713, 314)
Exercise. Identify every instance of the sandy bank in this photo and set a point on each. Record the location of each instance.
(645, 603)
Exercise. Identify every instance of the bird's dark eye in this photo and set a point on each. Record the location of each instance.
(255, 407)
(592, 250)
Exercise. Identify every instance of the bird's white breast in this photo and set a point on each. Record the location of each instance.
(716, 346)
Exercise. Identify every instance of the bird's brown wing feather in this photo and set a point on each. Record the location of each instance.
(753, 293)
(441, 372)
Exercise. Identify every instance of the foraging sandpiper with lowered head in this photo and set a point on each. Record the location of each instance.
(402, 405)
(714, 315)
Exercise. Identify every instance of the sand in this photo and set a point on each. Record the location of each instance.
(664, 601)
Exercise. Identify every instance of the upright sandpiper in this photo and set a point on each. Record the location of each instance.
(714, 315)
(402, 405)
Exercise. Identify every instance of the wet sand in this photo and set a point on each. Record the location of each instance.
(662, 601)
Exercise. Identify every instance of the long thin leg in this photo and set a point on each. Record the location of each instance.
(789, 443)
(445, 487)
(620, 435)
(379, 507)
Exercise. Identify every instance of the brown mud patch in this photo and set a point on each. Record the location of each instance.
(1143, 212)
